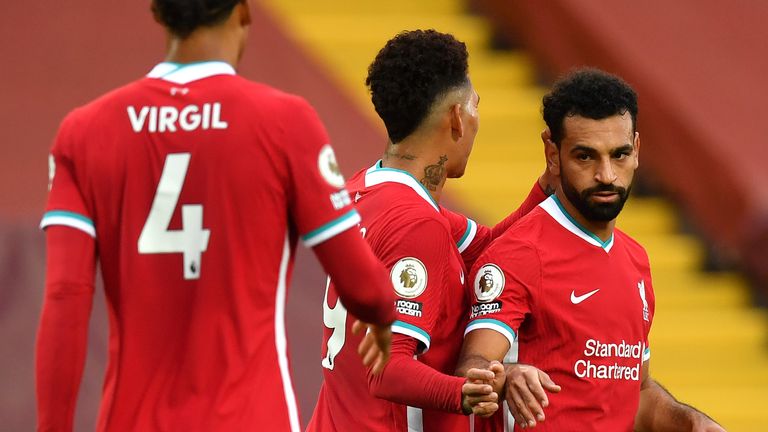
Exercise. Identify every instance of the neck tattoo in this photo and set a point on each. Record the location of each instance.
(396, 155)
(434, 174)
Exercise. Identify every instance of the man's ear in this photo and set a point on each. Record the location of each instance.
(546, 136)
(637, 149)
(155, 13)
(457, 126)
(245, 12)
(551, 153)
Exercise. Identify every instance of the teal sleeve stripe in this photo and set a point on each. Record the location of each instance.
(488, 321)
(466, 233)
(329, 226)
(411, 327)
(63, 213)
(69, 219)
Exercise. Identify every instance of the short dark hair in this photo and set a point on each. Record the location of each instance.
(589, 93)
(182, 17)
(410, 73)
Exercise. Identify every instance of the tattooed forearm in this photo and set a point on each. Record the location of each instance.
(434, 174)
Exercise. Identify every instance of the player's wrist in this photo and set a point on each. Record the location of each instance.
(701, 421)
(466, 408)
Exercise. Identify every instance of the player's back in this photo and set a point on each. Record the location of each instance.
(185, 174)
(394, 218)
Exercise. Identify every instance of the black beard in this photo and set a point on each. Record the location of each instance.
(595, 211)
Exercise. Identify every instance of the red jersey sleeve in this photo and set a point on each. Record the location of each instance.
(504, 280)
(63, 332)
(467, 234)
(66, 204)
(407, 381)
(418, 271)
(320, 205)
(348, 259)
(472, 238)
(534, 198)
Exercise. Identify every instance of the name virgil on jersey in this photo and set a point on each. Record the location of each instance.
(171, 119)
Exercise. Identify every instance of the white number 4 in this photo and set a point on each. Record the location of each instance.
(192, 239)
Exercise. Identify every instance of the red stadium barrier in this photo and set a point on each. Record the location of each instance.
(700, 71)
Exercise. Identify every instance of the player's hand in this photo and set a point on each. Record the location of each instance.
(477, 395)
(702, 423)
(500, 377)
(526, 393)
(374, 348)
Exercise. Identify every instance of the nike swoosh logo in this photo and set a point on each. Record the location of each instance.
(578, 299)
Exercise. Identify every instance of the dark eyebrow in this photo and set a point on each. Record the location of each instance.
(589, 150)
(583, 148)
(626, 148)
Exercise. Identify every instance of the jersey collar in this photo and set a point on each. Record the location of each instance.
(378, 174)
(184, 73)
(555, 208)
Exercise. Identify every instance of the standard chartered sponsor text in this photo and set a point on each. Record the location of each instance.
(586, 368)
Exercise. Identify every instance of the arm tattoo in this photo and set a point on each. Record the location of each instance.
(434, 174)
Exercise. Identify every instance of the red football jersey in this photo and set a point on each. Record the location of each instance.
(409, 232)
(579, 308)
(472, 239)
(196, 184)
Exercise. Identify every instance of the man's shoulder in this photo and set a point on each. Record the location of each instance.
(264, 95)
(116, 96)
(633, 247)
(522, 242)
(400, 212)
(404, 203)
(231, 87)
(100, 112)
(529, 229)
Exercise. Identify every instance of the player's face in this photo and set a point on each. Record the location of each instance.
(470, 119)
(598, 159)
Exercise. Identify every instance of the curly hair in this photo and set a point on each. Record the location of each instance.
(182, 17)
(410, 73)
(589, 93)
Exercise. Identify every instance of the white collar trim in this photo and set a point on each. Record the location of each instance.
(185, 73)
(378, 174)
(552, 206)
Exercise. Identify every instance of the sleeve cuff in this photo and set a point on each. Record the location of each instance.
(70, 219)
(411, 330)
(468, 236)
(492, 324)
(332, 228)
